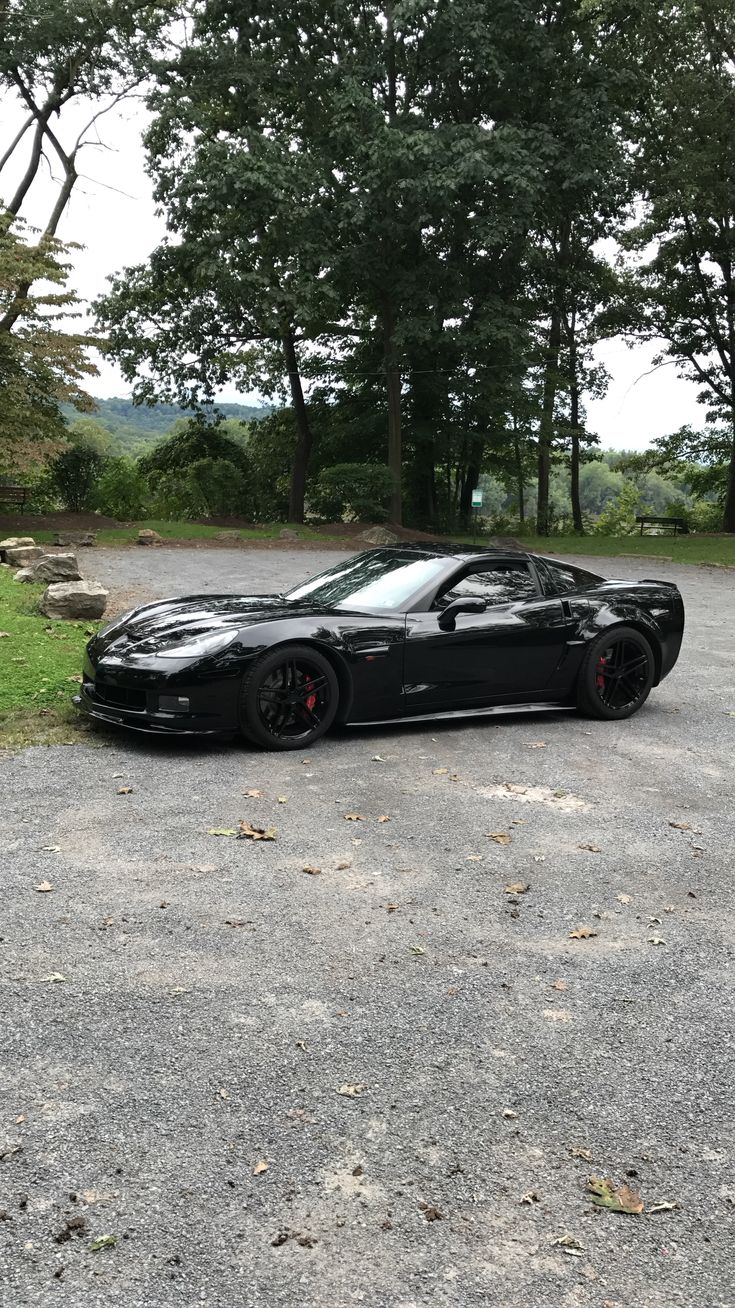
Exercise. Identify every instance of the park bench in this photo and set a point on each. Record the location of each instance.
(673, 525)
(17, 495)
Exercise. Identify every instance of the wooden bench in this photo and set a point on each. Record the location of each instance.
(17, 495)
(673, 525)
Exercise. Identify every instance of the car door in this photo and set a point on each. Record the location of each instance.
(509, 651)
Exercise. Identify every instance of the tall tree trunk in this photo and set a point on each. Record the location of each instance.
(574, 420)
(304, 437)
(728, 520)
(393, 396)
(519, 471)
(546, 428)
(471, 477)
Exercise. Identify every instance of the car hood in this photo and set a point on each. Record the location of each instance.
(159, 627)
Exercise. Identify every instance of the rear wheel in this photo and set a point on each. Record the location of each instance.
(617, 675)
(289, 698)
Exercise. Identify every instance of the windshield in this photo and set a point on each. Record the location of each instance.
(376, 580)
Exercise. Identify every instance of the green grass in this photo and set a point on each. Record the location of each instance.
(184, 531)
(682, 549)
(41, 662)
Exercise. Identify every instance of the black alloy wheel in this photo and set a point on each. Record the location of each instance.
(289, 699)
(617, 674)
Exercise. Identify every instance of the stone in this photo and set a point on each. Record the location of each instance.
(23, 556)
(56, 567)
(15, 542)
(379, 536)
(148, 537)
(74, 599)
(23, 574)
(75, 538)
(288, 534)
(227, 535)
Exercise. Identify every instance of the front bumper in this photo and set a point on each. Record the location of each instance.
(126, 701)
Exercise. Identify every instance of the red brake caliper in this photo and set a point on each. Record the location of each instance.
(600, 678)
(310, 699)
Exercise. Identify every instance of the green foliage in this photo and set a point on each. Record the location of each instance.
(618, 516)
(220, 486)
(76, 473)
(122, 490)
(194, 440)
(353, 490)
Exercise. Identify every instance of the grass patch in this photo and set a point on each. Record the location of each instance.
(41, 662)
(184, 531)
(681, 549)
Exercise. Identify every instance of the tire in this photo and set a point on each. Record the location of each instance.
(293, 687)
(603, 691)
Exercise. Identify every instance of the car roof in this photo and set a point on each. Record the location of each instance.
(452, 551)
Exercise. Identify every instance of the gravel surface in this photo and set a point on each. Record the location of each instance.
(179, 1088)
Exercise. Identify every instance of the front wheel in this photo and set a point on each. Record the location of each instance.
(289, 698)
(617, 675)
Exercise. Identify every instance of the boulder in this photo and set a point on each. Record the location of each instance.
(15, 542)
(148, 537)
(75, 538)
(74, 599)
(23, 556)
(379, 536)
(56, 567)
(288, 534)
(23, 574)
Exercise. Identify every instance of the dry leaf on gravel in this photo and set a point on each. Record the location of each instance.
(557, 1015)
(569, 1243)
(384, 818)
(618, 1198)
(221, 831)
(531, 1197)
(417, 949)
(559, 984)
(431, 1212)
(350, 1090)
(582, 933)
(500, 837)
(355, 817)
(282, 799)
(342, 867)
(55, 977)
(663, 1207)
(260, 1167)
(517, 888)
(624, 899)
(103, 1242)
(51, 849)
(681, 826)
(593, 849)
(577, 1152)
(439, 772)
(656, 940)
(509, 1114)
(392, 908)
(253, 793)
(310, 870)
(125, 790)
(536, 744)
(248, 832)
(44, 887)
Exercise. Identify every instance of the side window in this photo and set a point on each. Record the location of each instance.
(496, 585)
(561, 577)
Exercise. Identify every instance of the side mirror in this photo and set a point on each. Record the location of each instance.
(448, 616)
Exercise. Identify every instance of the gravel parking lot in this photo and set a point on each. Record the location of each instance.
(388, 1082)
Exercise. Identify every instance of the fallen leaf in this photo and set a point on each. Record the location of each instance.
(351, 1090)
(439, 772)
(559, 985)
(248, 832)
(78, 678)
(656, 940)
(585, 1154)
(619, 1199)
(377, 759)
(383, 818)
(125, 790)
(474, 858)
(20, 1118)
(342, 867)
(536, 744)
(417, 949)
(282, 799)
(500, 837)
(261, 1167)
(681, 826)
(516, 888)
(530, 1197)
(103, 1242)
(569, 1243)
(594, 849)
(311, 871)
(253, 793)
(236, 921)
(663, 1207)
(624, 899)
(205, 867)
(431, 1212)
(221, 831)
(223, 1094)
(509, 1114)
(582, 933)
(3, 634)
(55, 977)
(557, 1015)
(301, 1044)
(392, 908)
(355, 817)
(51, 849)
(44, 887)
(8, 1150)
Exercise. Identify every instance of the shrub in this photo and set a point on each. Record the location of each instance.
(122, 490)
(219, 485)
(618, 516)
(355, 490)
(76, 472)
(195, 441)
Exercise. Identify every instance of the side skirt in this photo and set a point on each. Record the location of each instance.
(498, 710)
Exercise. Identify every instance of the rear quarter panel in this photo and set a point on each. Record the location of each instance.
(654, 607)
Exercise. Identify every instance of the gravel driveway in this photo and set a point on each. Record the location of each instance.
(386, 1083)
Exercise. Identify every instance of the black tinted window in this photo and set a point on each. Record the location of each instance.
(497, 585)
(564, 576)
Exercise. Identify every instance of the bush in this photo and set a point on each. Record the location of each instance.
(703, 515)
(618, 516)
(175, 497)
(355, 490)
(122, 490)
(197, 440)
(76, 472)
(219, 485)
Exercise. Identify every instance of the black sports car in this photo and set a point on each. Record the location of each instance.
(400, 634)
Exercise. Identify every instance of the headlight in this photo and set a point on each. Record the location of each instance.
(210, 642)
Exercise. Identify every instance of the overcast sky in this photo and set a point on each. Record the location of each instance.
(112, 216)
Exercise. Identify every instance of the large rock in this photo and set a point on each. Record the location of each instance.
(23, 574)
(15, 542)
(148, 537)
(379, 536)
(23, 556)
(288, 534)
(56, 567)
(74, 599)
(75, 538)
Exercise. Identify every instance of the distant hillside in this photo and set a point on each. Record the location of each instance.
(137, 424)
